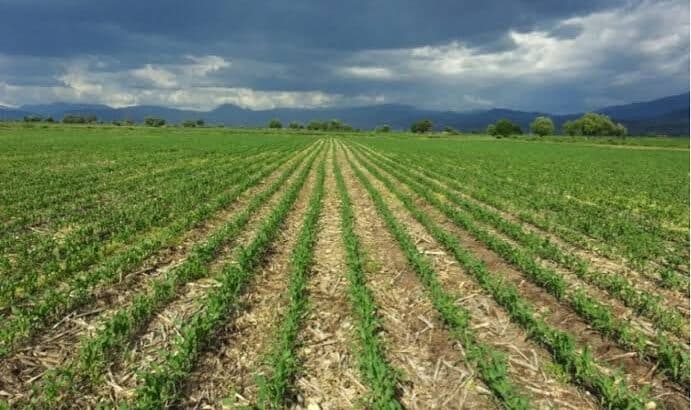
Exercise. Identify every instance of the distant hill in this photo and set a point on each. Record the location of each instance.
(650, 109)
(8, 113)
(669, 115)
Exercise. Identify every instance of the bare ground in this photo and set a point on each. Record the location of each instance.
(328, 375)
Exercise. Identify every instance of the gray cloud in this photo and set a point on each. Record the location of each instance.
(542, 55)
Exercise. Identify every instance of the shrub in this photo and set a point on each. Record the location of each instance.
(275, 124)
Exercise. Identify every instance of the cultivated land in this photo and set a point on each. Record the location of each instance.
(240, 268)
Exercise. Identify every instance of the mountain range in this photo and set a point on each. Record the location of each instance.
(664, 116)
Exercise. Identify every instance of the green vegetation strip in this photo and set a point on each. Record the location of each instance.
(282, 360)
(72, 189)
(160, 385)
(96, 351)
(642, 302)
(24, 284)
(492, 364)
(25, 321)
(139, 208)
(665, 276)
(580, 365)
(378, 374)
(673, 359)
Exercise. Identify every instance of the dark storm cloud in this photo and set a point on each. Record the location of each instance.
(65, 27)
(442, 54)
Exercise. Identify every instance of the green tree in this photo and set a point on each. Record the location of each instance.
(154, 122)
(593, 124)
(506, 128)
(334, 125)
(294, 125)
(383, 128)
(422, 126)
(275, 124)
(189, 124)
(571, 128)
(491, 130)
(620, 130)
(542, 126)
(315, 125)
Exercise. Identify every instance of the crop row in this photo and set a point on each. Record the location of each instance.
(114, 217)
(97, 351)
(673, 359)
(615, 232)
(667, 277)
(642, 302)
(82, 253)
(281, 359)
(577, 362)
(57, 301)
(491, 364)
(380, 377)
(159, 388)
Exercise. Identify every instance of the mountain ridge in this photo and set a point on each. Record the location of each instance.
(667, 115)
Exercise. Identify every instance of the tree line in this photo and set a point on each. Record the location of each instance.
(590, 124)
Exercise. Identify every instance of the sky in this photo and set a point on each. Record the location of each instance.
(540, 55)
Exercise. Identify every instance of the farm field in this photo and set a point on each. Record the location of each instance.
(215, 268)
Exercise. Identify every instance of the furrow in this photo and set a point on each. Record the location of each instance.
(528, 363)
(651, 277)
(642, 306)
(671, 357)
(434, 374)
(161, 385)
(110, 330)
(558, 322)
(148, 258)
(327, 374)
(228, 370)
(122, 379)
